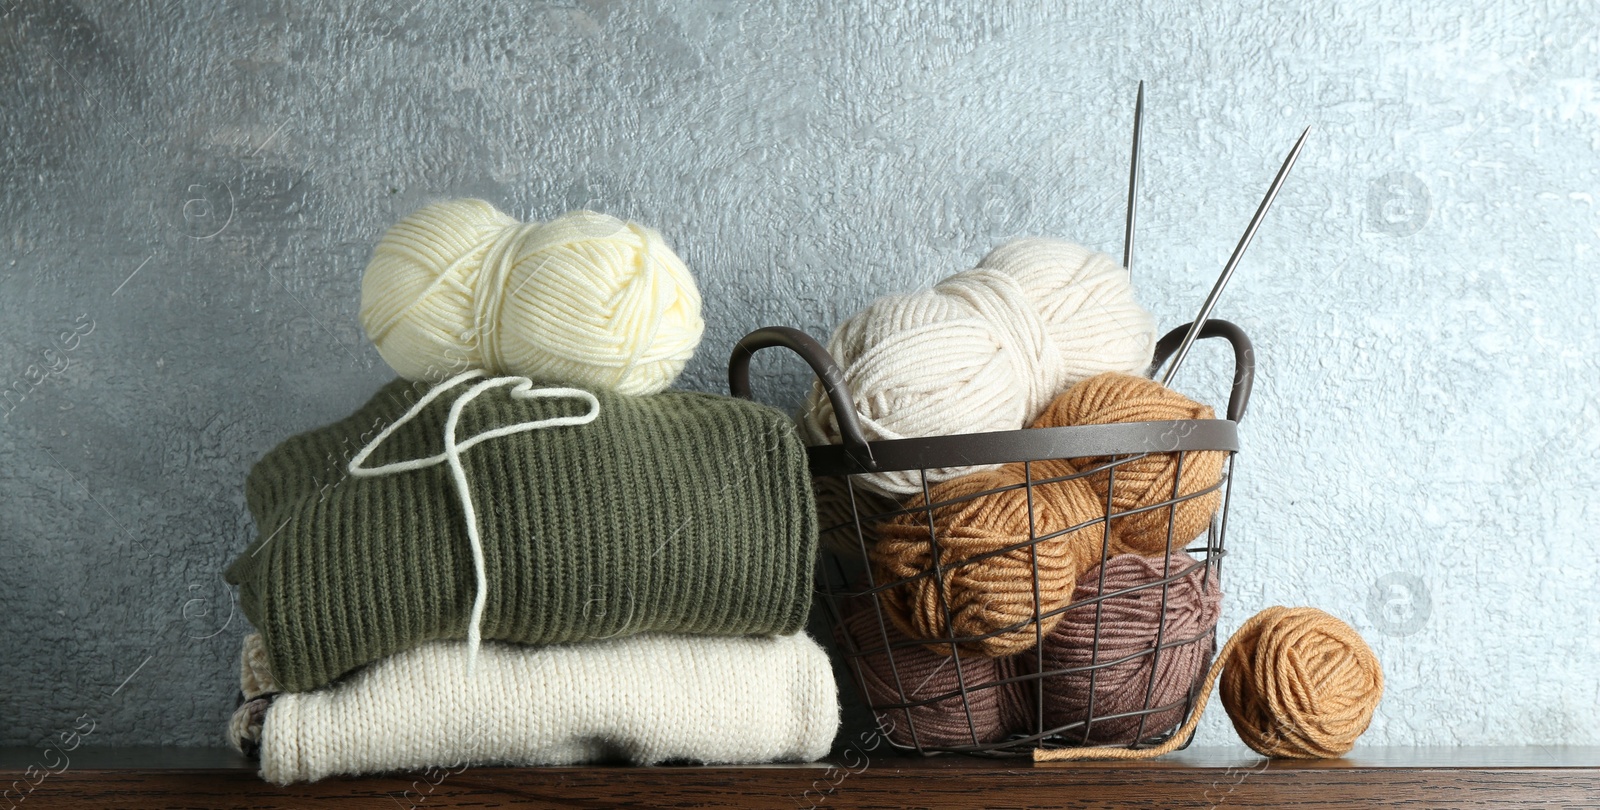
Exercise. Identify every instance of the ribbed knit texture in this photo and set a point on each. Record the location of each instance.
(676, 512)
(643, 699)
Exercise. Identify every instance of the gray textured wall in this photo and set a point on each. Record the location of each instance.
(190, 194)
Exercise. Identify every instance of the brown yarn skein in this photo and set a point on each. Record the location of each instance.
(1129, 626)
(1302, 685)
(1111, 398)
(996, 709)
(990, 596)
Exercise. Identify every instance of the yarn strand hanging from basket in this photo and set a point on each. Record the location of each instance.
(1296, 682)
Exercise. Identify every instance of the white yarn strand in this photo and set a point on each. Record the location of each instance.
(522, 388)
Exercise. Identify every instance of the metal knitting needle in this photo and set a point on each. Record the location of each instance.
(1233, 261)
(1133, 180)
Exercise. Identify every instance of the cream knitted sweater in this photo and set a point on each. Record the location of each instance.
(644, 699)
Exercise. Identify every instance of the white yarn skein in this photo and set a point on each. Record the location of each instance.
(984, 350)
(522, 388)
(1094, 321)
(419, 289)
(586, 299)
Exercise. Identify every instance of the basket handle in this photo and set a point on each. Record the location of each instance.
(1244, 359)
(827, 371)
(844, 410)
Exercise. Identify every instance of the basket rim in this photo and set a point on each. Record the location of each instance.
(1025, 445)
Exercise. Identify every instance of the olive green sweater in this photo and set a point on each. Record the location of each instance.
(678, 512)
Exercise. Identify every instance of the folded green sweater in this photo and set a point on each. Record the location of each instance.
(677, 512)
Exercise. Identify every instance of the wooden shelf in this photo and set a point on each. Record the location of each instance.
(215, 779)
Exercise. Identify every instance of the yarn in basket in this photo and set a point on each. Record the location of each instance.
(984, 350)
(907, 674)
(987, 567)
(585, 299)
(1142, 482)
(988, 585)
(1129, 673)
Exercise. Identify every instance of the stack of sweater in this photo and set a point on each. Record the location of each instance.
(492, 570)
(638, 568)
(650, 554)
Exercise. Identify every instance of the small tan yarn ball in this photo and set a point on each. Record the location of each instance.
(986, 586)
(1112, 398)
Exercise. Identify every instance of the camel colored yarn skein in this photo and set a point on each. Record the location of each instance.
(584, 299)
(996, 709)
(1129, 626)
(1112, 398)
(1300, 684)
(988, 591)
(984, 350)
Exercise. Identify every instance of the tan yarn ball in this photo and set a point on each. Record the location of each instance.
(1300, 683)
(988, 594)
(1112, 398)
(585, 299)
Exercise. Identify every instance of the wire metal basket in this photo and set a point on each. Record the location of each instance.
(845, 578)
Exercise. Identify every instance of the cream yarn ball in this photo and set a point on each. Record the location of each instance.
(984, 350)
(585, 299)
